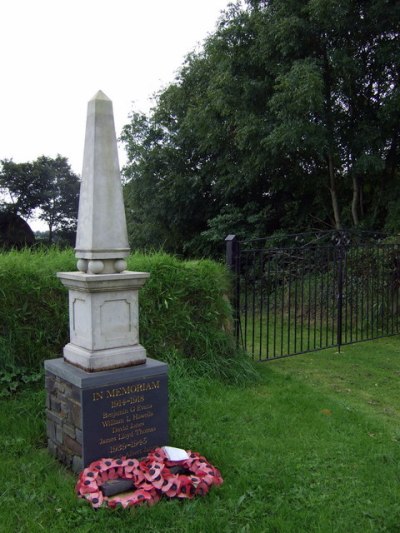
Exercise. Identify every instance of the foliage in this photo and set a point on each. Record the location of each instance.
(46, 184)
(313, 447)
(184, 312)
(13, 380)
(288, 118)
(59, 203)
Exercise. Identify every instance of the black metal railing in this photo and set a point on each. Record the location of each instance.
(307, 292)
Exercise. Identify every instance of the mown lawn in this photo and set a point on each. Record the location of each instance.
(314, 446)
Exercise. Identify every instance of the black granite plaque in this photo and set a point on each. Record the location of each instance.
(125, 419)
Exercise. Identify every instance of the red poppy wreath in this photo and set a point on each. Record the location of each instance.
(154, 476)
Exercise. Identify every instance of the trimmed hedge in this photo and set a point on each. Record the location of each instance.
(184, 312)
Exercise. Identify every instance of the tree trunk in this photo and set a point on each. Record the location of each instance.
(50, 238)
(330, 134)
(332, 188)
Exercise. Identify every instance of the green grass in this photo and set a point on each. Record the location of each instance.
(277, 337)
(313, 447)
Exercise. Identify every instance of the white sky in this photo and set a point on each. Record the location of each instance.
(56, 54)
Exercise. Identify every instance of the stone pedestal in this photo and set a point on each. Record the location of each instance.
(104, 320)
(105, 399)
(113, 413)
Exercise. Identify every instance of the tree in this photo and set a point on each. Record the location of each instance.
(21, 186)
(46, 184)
(60, 196)
(338, 77)
(288, 118)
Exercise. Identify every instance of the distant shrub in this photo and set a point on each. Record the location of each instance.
(185, 313)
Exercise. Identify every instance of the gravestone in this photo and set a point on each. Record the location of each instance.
(105, 397)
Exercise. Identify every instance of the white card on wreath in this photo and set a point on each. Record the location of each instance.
(175, 454)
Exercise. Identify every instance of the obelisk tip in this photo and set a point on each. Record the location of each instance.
(100, 96)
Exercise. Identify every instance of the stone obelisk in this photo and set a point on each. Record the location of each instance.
(103, 296)
(105, 397)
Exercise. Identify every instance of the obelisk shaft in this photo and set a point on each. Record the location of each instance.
(102, 232)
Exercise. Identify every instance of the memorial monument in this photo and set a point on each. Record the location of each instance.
(105, 397)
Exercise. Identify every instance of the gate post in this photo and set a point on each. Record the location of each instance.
(233, 263)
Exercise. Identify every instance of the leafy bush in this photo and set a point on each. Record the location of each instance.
(184, 312)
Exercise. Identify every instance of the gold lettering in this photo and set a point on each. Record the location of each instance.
(143, 431)
(131, 389)
(123, 447)
(107, 441)
(97, 396)
(122, 412)
(110, 423)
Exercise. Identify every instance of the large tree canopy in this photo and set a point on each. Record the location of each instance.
(288, 118)
(47, 185)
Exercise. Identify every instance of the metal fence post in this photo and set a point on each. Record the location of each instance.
(341, 257)
(233, 263)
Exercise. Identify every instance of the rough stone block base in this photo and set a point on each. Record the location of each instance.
(113, 413)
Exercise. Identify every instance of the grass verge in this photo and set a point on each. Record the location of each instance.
(314, 446)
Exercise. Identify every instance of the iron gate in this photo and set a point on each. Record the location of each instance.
(307, 292)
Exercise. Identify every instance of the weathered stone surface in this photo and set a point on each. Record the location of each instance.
(104, 320)
(55, 417)
(69, 430)
(72, 446)
(50, 382)
(59, 435)
(77, 465)
(102, 232)
(75, 413)
(79, 436)
(51, 430)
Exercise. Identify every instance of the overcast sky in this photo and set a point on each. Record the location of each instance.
(56, 54)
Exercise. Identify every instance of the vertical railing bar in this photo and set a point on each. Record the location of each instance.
(368, 296)
(377, 291)
(362, 289)
(392, 288)
(371, 297)
(289, 300)
(386, 266)
(268, 302)
(275, 297)
(345, 295)
(246, 299)
(328, 298)
(295, 306)
(253, 306)
(350, 279)
(340, 253)
(321, 300)
(283, 278)
(261, 303)
(334, 289)
(397, 293)
(390, 291)
(309, 303)
(384, 305)
(302, 303)
(315, 279)
(357, 281)
(379, 294)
